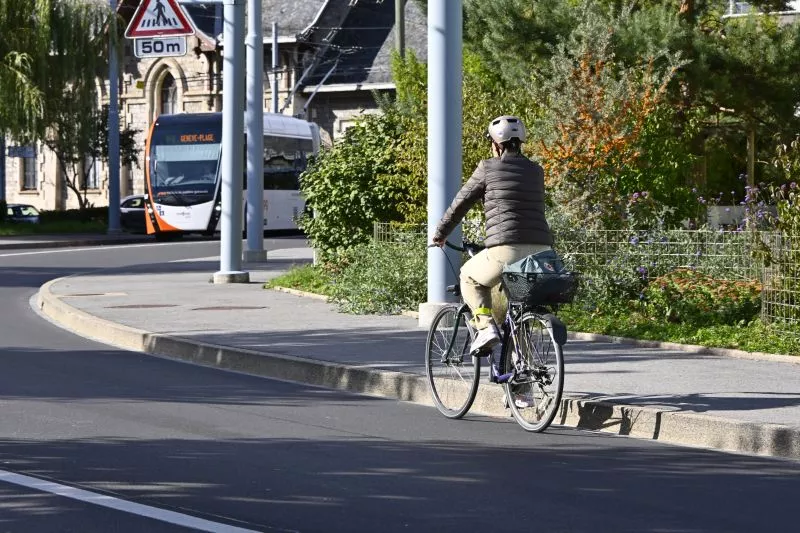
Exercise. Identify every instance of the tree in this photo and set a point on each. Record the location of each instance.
(53, 61)
(596, 113)
(46, 45)
(80, 140)
(21, 48)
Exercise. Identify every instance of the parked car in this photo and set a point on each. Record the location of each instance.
(132, 214)
(22, 213)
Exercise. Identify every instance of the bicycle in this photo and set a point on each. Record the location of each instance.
(531, 364)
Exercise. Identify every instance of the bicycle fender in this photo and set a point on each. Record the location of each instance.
(557, 327)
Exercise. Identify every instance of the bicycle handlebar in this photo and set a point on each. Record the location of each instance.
(470, 247)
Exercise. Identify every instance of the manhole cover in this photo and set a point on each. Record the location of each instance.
(140, 306)
(229, 308)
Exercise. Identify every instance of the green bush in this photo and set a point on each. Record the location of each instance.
(689, 296)
(353, 184)
(90, 214)
(380, 278)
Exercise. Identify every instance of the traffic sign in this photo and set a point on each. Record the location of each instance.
(163, 47)
(158, 18)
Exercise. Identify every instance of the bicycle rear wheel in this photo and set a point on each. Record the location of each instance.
(534, 393)
(453, 374)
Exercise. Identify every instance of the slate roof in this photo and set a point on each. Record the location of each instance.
(363, 43)
(357, 38)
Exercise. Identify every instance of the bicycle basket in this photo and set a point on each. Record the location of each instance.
(532, 289)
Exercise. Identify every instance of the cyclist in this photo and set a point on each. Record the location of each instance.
(511, 187)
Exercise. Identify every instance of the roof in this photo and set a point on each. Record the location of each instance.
(356, 37)
(361, 46)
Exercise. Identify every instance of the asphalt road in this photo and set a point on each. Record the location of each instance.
(99, 439)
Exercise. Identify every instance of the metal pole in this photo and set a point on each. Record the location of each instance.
(400, 26)
(113, 125)
(230, 253)
(255, 134)
(444, 141)
(275, 61)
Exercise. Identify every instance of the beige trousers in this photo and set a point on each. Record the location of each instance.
(482, 273)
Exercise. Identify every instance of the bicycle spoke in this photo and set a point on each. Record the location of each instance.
(537, 362)
(453, 374)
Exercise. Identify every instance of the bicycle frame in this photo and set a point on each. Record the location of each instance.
(446, 357)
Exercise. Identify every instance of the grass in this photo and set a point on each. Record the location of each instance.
(308, 278)
(752, 337)
(10, 229)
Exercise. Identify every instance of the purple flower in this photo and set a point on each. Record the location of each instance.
(793, 185)
(636, 196)
(634, 240)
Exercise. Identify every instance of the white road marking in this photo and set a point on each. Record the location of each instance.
(117, 504)
(94, 248)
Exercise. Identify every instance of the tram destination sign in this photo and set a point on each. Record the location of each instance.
(159, 47)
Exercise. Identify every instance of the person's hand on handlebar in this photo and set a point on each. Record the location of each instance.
(438, 242)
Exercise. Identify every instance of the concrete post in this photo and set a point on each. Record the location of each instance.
(444, 143)
(255, 134)
(113, 126)
(230, 253)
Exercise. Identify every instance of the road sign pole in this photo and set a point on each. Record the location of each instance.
(255, 134)
(232, 158)
(113, 126)
(444, 141)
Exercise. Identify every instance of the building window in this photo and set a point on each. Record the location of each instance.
(28, 173)
(169, 95)
(91, 180)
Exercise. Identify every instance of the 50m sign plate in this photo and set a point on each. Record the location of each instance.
(162, 47)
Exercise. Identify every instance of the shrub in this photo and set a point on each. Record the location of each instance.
(380, 278)
(89, 214)
(689, 296)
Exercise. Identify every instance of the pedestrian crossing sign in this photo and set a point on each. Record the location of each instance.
(158, 18)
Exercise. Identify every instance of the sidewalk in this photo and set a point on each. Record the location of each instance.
(749, 405)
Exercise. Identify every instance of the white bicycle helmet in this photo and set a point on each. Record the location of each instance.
(505, 128)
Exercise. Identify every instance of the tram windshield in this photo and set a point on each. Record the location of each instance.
(184, 166)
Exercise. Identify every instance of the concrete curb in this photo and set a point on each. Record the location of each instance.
(690, 348)
(301, 293)
(649, 423)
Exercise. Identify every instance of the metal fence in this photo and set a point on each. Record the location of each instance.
(770, 258)
(780, 276)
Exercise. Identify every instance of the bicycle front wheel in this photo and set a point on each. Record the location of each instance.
(453, 374)
(537, 361)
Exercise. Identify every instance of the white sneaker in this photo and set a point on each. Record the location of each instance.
(519, 401)
(486, 339)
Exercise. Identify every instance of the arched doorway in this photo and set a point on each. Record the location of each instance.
(168, 98)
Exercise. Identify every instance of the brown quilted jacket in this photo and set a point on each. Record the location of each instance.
(512, 190)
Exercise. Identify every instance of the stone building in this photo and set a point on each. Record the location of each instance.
(333, 56)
